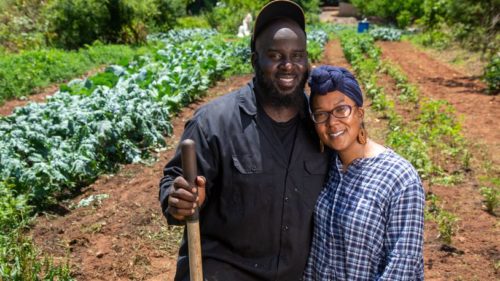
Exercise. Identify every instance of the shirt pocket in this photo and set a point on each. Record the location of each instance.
(247, 182)
(313, 178)
(247, 164)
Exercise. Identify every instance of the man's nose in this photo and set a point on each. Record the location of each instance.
(286, 64)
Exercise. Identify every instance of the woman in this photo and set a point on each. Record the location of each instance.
(368, 222)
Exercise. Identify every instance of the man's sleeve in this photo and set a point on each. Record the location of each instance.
(206, 157)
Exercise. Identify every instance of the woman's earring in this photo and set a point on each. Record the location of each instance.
(321, 147)
(362, 136)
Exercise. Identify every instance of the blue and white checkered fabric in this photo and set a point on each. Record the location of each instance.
(369, 222)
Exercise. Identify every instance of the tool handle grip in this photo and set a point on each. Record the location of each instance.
(189, 170)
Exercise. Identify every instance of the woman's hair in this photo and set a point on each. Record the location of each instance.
(326, 78)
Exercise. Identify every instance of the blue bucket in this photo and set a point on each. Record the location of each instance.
(363, 26)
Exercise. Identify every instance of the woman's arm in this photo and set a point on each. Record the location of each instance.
(404, 235)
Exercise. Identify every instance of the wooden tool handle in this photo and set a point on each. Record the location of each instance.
(188, 157)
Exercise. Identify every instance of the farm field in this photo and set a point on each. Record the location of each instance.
(125, 237)
(80, 162)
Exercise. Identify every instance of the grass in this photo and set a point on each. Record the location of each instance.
(25, 73)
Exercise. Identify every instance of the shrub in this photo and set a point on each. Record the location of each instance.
(79, 22)
(492, 75)
(193, 22)
(21, 26)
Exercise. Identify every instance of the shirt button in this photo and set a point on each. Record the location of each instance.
(285, 228)
(286, 198)
(256, 265)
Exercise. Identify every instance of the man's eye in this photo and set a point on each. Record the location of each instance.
(275, 56)
(298, 56)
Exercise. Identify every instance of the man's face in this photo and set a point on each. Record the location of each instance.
(280, 62)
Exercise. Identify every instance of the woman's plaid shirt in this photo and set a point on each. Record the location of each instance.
(369, 222)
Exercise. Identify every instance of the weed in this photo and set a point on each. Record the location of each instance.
(447, 225)
(491, 198)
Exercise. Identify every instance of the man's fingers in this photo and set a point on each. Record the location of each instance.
(184, 194)
(180, 214)
(181, 183)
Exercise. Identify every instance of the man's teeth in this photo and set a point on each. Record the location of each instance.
(287, 80)
(337, 134)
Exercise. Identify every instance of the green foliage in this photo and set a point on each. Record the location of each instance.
(386, 33)
(227, 15)
(491, 198)
(434, 12)
(21, 74)
(447, 222)
(311, 9)
(492, 75)
(413, 148)
(19, 260)
(440, 128)
(434, 38)
(316, 40)
(18, 255)
(401, 12)
(21, 26)
(192, 22)
(447, 225)
(14, 210)
(75, 23)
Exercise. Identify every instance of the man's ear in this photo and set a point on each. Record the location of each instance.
(254, 59)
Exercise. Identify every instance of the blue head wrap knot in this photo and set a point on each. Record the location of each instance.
(326, 78)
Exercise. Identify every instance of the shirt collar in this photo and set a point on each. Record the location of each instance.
(248, 101)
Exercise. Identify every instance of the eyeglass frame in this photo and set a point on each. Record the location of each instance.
(331, 113)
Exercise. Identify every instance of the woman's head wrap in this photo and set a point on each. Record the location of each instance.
(326, 78)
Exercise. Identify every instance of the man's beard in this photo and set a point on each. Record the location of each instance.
(270, 94)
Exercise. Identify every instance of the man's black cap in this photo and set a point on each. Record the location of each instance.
(275, 10)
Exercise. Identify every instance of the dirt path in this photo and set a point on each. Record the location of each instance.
(476, 247)
(466, 93)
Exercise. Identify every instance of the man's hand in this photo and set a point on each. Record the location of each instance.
(182, 199)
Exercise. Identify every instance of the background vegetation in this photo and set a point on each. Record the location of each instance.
(474, 25)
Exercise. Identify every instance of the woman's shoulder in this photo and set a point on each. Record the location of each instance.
(398, 167)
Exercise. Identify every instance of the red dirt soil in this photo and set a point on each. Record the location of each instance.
(126, 237)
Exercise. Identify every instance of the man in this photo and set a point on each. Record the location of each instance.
(259, 162)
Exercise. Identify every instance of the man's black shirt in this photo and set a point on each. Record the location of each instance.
(256, 222)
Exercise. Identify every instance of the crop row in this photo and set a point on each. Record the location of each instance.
(88, 128)
(429, 138)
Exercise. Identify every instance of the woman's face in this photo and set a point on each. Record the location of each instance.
(338, 132)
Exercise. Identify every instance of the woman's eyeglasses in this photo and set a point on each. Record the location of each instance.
(341, 111)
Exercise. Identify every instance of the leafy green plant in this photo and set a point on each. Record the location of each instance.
(491, 198)
(386, 33)
(447, 226)
(447, 222)
(492, 75)
(407, 143)
(19, 260)
(22, 74)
